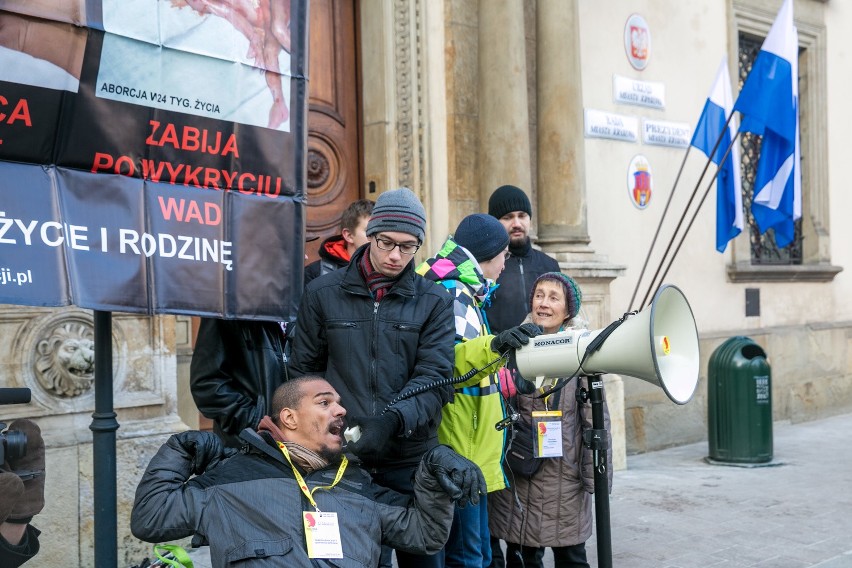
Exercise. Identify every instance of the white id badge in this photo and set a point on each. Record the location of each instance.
(322, 534)
(548, 433)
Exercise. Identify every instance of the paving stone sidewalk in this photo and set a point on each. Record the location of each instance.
(671, 509)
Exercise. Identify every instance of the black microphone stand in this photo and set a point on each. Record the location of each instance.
(597, 441)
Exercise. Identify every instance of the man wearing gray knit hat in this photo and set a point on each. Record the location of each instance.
(375, 329)
(398, 210)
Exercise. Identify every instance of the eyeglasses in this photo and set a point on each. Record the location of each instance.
(389, 245)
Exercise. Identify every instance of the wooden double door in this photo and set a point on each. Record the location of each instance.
(334, 129)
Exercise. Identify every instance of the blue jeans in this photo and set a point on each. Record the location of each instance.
(469, 545)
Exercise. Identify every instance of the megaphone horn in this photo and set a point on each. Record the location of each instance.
(658, 345)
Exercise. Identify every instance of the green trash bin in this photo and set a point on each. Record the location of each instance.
(739, 403)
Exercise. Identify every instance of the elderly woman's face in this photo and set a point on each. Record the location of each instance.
(549, 308)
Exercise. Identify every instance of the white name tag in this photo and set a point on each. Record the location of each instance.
(322, 534)
(548, 432)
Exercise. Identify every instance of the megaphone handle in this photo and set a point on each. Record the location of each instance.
(598, 434)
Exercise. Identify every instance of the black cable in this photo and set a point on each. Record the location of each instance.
(443, 382)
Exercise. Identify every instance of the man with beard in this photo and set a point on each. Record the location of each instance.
(290, 497)
(510, 303)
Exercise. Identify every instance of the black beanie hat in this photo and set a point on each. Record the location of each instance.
(482, 235)
(508, 198)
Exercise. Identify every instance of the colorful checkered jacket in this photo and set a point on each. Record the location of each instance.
(467, 423)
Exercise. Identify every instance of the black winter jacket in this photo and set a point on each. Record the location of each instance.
(371, 352)
(236, 366)
(511, 301)
(249, 508)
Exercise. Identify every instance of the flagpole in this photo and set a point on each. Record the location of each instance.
(703, 198)
(659, 226)
(688, 204)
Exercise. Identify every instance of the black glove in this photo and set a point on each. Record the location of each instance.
(459, 477)
(514, 337)
(204, 450)
(30, 468)
(376, 432)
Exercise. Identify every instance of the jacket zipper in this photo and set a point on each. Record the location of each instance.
(373, 356)
(523, 282)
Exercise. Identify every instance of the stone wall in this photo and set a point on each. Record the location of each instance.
(50, 351)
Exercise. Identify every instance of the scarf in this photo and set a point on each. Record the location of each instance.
(377, 282)
(302, 457)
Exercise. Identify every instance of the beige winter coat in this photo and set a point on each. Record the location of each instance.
(557, 502)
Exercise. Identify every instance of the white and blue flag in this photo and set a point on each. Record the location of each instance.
(711, 132)
(769, 102)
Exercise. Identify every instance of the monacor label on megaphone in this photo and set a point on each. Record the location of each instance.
(547, 342)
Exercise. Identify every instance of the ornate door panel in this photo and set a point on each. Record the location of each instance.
(334, 155)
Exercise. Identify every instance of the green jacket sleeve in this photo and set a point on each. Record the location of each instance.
(475, 353)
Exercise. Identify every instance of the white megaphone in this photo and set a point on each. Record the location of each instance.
(658, 345)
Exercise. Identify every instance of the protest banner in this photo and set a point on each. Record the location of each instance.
(152, 155)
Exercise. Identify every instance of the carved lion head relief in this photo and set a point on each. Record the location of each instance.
(65, 361)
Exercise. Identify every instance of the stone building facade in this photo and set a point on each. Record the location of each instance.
(461, 96)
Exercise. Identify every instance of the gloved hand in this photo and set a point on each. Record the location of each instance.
(459, 477)
(514, 337)
(376, 431)
(31, 466)
(11, 489)
(204, 450)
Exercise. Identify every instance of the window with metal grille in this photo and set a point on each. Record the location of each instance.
(764, 251)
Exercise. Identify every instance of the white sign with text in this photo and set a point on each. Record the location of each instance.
(601, 124)
(636, 92)
(662, 133)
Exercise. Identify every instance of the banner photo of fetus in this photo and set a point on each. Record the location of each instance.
(244, 75)
(152, 155)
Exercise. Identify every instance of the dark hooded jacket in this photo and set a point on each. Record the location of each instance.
(372, 351)
(236, 366)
